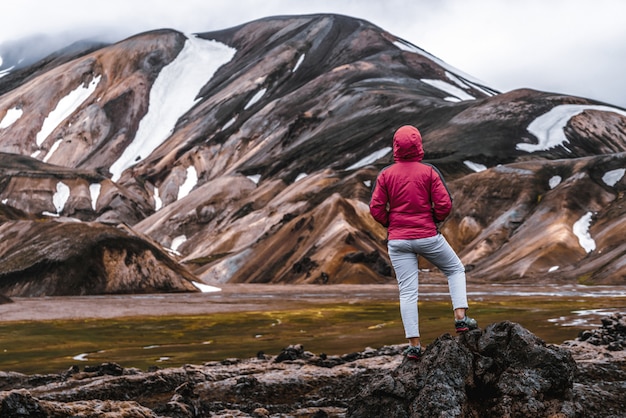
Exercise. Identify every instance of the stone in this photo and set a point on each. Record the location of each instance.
(502, 370)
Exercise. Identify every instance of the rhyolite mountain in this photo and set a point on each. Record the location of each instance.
(248, 155)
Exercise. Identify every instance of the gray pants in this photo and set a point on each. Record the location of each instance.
(404, 255)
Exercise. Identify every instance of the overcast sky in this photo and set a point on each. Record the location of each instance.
(575, 47)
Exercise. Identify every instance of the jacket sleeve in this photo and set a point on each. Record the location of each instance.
(378, 204)
(440, 197)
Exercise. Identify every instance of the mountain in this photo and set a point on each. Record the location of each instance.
(248, 155)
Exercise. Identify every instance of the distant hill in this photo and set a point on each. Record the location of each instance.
(247, 155)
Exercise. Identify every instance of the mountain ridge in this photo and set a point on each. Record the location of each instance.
(263, 174)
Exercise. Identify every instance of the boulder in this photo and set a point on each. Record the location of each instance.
(504, 370)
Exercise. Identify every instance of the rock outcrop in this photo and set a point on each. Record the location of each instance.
(80, 258)
(602, 344)
(504, 370)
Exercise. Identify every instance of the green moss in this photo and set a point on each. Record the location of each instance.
(172, 341)
(585, 279)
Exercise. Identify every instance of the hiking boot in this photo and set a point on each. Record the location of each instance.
(465, 324)
(413, 352)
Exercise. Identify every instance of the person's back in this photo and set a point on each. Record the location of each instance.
(415, 192)
(410, 198)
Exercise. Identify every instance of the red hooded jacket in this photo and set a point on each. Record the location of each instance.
(410, 196)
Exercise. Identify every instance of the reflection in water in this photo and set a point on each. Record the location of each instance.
(586, 318)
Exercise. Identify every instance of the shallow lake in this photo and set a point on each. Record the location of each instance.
(49, 335)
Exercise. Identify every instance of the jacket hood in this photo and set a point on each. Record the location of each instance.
(407, 144)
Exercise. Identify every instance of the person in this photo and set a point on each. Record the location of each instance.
(410, 199)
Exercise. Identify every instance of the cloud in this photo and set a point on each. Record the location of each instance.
(575, 47)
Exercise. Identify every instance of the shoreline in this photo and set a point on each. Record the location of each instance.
(231, 298)
(269, 297)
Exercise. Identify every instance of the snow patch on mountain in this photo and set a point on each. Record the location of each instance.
(177, 242)
(94, 191)
(255, 178)
(205, 288)
(6, 70)
(190, 182)
(298, 63)
(449, 88)
(549, 127)
(158, 203)
(554, 181)
(61, 196)
(581, 230)
(474, 166)
(229, 123)
(173, 93)
(257, 96)
(10, 117)
(373, 157)
(52, 150)
(612, 177)
(65, 107)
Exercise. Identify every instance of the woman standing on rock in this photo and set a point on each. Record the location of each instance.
(409, 199)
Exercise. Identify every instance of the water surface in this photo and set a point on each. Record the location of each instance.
(173, 330)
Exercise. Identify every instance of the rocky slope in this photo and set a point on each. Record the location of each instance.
(503, 370)
(248, 155)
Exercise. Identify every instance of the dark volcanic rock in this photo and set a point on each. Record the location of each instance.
(611, 334)
(503, 371)
(605, 342)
